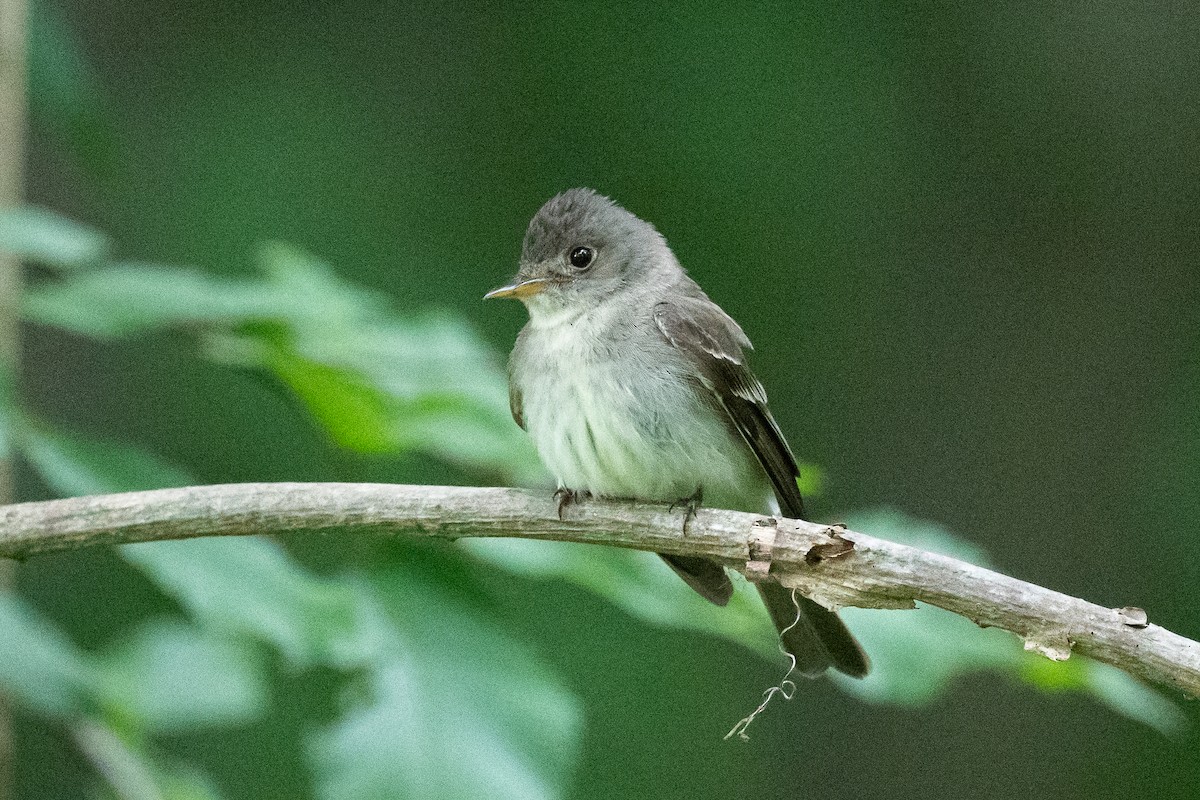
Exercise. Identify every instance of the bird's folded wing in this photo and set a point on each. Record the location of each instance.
(716, 345)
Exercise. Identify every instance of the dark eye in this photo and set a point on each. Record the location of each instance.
(581, 257)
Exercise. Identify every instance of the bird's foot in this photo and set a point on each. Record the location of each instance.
(692, 504)
(567, 497)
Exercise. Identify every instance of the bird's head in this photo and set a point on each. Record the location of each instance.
(580, 249)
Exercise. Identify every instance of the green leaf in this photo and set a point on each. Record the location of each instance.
(74, 466)
(298, 293)
(356, 415)
(454, 708)
(39, 668)
(251, 587)
(376, 380)
(132, 771)
(311, 292)
(48, 238)
(170, 677)
(132, 298)
(185, 782)
(1110, 686)
(638, 583)
(424, 382)
(915, 655)
(811, 480)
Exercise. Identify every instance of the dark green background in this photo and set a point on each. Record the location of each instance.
(963, 237)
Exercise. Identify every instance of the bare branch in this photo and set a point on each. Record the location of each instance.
(834, 566)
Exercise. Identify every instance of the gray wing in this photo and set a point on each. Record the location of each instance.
(514, 391)
(716, 345)
(514, 404)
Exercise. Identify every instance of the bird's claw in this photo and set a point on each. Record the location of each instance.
(567, 497)
(692, 504)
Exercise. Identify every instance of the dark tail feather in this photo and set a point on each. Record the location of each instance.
(819, 639)
(816, 636)
(708, 578)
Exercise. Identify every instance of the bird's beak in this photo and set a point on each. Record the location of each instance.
(518, 290)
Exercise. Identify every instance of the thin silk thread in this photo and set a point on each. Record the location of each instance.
(786, 686)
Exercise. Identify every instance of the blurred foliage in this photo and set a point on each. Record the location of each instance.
(67, 95)
(168, 677)
(75, 465)
(39, 668)
(981, 217)
(250, 588)
(375, 380)
(441, 701)
(43, 237)
(634, 583)
(458, 707)
(916, 654)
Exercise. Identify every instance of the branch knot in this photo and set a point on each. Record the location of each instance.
(760, 547)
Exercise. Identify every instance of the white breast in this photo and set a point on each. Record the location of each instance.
(621, 421)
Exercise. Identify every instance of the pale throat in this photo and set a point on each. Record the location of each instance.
(544, 313)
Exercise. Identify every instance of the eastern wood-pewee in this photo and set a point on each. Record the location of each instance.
(633, 383)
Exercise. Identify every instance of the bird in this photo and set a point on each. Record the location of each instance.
(632, 383)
